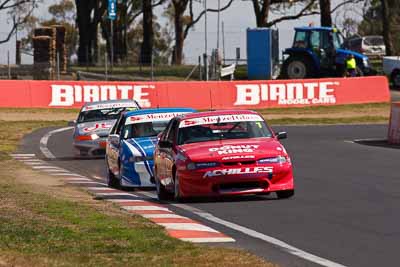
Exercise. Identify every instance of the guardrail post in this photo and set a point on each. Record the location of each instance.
(8, 64)
(106, 65)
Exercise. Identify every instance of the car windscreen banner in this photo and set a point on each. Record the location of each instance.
(198, 95)
(154, 117)
(219, 119)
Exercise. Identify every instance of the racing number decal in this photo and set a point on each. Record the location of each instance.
(97, 127)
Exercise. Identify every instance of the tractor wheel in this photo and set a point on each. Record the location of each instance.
(297, 68)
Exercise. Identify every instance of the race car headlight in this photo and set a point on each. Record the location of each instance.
(94, 136)
(201, 165)
(139, 159)
(278, 159)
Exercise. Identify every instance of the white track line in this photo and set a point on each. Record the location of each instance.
(31, 160)
(68, 174)
(144, 208)
(46, 167)
(23, 155)
(188, 226)
(163, 216)
(45, 139)
(77, 179)
(55, 170)
(208, 239)
(100, 188)
(125, 200)
(34, 163)
(113, 194)
(85, 182)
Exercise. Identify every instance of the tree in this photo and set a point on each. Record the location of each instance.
(89, 14)
(183, 24)
(387, 24)
(262, 10)
(325, 10)
(148, 33)
(18, 12)
(378, 20)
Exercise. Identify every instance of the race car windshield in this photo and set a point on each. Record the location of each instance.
(223, 131)
(100, 114)
(146, 129)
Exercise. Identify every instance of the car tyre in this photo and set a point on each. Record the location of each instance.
(285, 194)
(112, 181)
(162, 193)
(177, 191)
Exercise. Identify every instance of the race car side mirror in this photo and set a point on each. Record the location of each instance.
(114, 139)
(281, 135)
(165, 144)
(72, 123)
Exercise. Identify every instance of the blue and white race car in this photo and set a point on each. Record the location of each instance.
(130, 146)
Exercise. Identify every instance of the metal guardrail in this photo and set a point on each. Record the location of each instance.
(82, 75)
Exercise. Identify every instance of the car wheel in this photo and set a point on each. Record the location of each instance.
(162, 193)
(395, 78)
(285, 194)
(112, 181)
(177, 191)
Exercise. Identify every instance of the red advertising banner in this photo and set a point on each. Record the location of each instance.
(199, 95)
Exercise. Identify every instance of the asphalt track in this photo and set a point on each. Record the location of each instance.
(346, 208)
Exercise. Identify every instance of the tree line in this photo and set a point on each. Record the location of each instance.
(139, 36)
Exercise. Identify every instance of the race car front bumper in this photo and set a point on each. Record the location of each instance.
(90, 148)
(194, 184)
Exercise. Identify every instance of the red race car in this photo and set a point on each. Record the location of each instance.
(217, 153)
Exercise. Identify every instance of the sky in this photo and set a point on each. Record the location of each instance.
(236, 19)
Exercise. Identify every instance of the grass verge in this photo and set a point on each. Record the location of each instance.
(48, 225)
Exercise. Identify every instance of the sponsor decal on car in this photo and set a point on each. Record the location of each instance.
(152, 117)
(238, 171)
(239, 157)
(300, 93)
(234, 149)
(97, 127)
(110, 105)
(219, 119)
(67, 95)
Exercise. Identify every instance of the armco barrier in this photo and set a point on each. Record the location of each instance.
(394, 124)
(199, 95)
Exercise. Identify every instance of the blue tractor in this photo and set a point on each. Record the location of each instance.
(318, 52)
